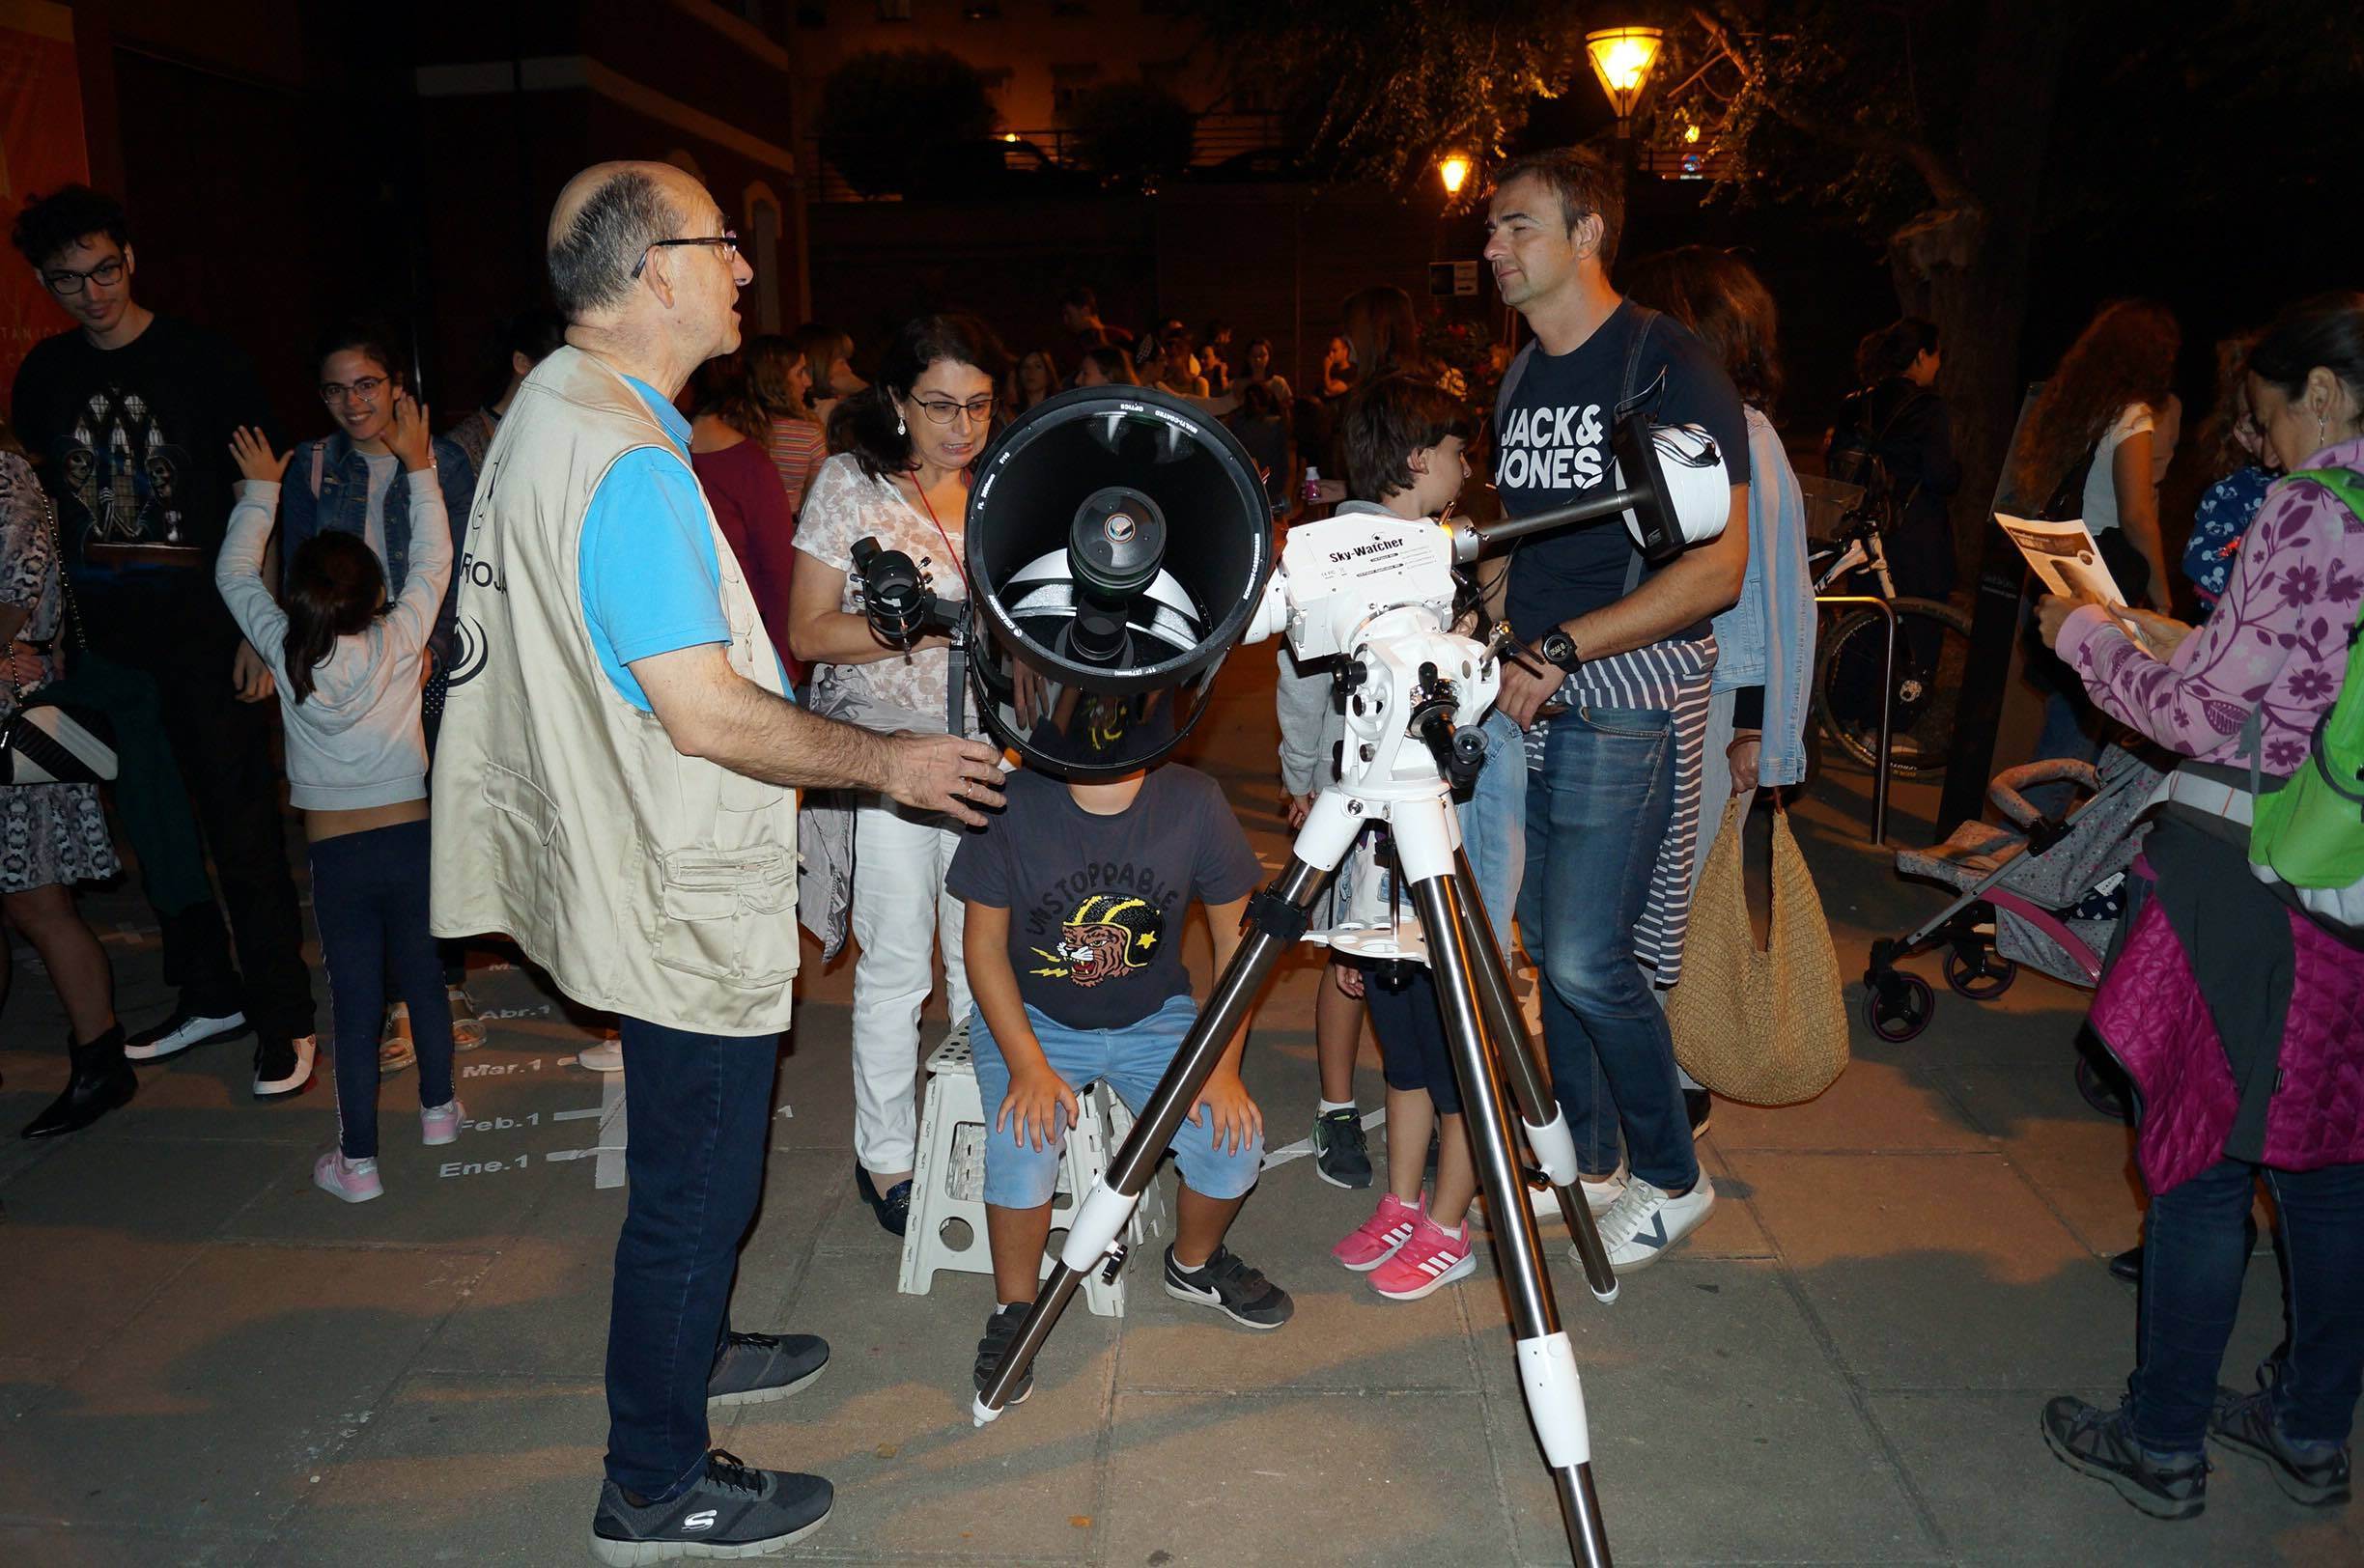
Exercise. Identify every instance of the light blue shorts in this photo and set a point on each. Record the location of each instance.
(1130, 1061)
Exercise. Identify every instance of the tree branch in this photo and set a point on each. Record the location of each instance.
(1945, 187)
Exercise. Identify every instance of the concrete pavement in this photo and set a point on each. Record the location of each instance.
(207, 1361)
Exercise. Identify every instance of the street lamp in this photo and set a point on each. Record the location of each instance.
(1621, 58)
(1453, 169)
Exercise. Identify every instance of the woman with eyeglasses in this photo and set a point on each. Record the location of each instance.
(352, 482)
(903, 479)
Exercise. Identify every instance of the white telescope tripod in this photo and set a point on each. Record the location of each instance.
(1377, 593)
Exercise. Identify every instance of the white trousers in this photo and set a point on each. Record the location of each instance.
(901, 914)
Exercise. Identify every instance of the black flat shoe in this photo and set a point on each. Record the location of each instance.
(892, 1206)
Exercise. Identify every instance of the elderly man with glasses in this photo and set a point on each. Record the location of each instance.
(616, 790)
(129, 414)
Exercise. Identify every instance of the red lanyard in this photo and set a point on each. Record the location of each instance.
(941, 534)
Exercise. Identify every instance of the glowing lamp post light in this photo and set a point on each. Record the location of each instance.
(1454, 170)
(1621, 58)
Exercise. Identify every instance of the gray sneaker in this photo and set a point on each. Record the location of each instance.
(2315, 1473)
(754, 1369)
(2099, 1444)
(1342, 1150)
(731, 1511)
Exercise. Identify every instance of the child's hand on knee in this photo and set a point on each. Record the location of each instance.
(1030, 1111)
(1225, 1107)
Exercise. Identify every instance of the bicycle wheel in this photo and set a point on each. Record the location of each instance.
(1933, 653)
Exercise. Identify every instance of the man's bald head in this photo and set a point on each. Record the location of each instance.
(604, 222)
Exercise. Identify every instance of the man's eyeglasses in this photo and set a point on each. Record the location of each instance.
(943, 411)
(366, 390)
(728, 239)
(68, 282)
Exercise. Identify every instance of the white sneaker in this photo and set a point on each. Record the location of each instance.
(607, 1056)
(282, 1069)
(1600, 1194)
(1645, 1221)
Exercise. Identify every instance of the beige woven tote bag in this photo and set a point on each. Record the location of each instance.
(1766, 1028)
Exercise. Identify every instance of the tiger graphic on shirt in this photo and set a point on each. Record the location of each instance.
(1105, 937)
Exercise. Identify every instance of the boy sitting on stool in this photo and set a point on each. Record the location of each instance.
(1076, 898)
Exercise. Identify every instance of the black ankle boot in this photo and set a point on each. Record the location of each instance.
(101, 1081)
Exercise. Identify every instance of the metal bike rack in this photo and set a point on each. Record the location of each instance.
(1879, 771)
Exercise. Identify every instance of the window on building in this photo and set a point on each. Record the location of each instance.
(894, 11)
(1066, 81)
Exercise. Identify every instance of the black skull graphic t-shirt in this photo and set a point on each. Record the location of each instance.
(1097, 903)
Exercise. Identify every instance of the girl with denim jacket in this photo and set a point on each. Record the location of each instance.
(350, 481)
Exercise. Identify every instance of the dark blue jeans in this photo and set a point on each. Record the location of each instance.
(1596, 812)
(369, 899)
(2193, 1259)
(696, 1107)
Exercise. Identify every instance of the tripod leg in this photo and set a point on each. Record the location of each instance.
(1276, 919)
(1545, 1123)
(1547, 1361)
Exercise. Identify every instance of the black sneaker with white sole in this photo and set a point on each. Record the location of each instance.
(754, 1369)
(182, 1029)
(1228, 1285)
(283, 1067)
(731, 1511)
(1341, 1149)
(1001, 1332)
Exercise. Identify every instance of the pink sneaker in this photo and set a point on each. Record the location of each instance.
(355, 1181)
(440, 1124)
(1375, 1241)
(1434, 1256)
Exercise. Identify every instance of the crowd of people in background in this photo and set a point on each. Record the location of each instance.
(173, 562)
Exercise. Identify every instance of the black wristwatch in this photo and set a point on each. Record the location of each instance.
(1561, 649)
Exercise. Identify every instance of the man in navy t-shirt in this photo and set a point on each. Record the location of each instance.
(1625, 655)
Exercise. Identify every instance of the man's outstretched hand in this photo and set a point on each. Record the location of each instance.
(944, 773)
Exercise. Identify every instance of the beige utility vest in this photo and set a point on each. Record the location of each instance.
(646, 883)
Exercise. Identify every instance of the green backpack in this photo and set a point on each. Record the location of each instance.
(2310, 832)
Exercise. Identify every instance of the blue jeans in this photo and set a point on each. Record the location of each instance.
(369, 899)
(1130, 1061)
(2194, 1255)
(1494, 824)
(697, 1107)
(1596, 812)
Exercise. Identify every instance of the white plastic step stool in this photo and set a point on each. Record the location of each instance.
(949, 1180)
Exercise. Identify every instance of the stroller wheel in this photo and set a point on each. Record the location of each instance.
(1898, 1006)
(2101, 1087)
(1981, 974)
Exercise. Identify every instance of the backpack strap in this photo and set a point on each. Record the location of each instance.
(320, 458)
(1626, 398)
(1512, 374)
(1625, 402)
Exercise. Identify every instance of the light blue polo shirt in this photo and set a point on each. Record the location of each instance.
(651, 581)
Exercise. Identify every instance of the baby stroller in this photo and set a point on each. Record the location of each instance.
(2047, 892)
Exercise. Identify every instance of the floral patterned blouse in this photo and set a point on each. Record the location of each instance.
(2277, 643)
(2218, 523)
